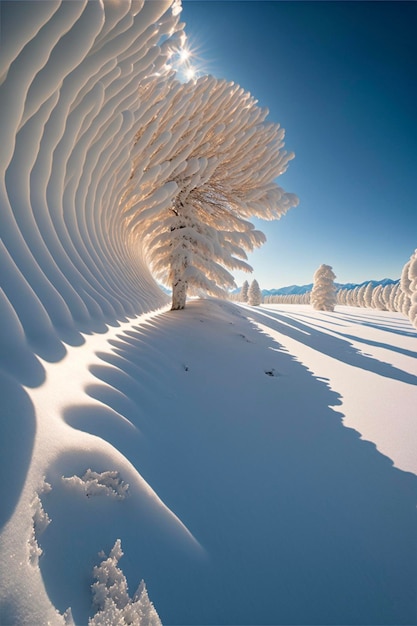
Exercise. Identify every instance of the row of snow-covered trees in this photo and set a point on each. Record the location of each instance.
(384, 297)
(389, 297)
(398, 297)
(289, 298)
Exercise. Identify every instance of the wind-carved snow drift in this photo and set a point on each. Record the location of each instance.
(105, 155)
(98, 142)
(73, 98)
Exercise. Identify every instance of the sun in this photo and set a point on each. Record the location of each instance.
(183, 55)
(186, 62)
(190, 73)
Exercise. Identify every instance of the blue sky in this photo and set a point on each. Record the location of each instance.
(340, 77)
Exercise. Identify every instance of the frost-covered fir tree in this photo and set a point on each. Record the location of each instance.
(341, 296)
(254, 294)
(377, 298)
(211, 163)
(368, 295)
(409, 288)
(386, 296)
(244, 292)
(393, 297)
(361, 296)
(323, 294)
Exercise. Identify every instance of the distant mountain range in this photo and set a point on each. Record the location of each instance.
(300, 289)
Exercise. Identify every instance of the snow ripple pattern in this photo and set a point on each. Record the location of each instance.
(69, 90)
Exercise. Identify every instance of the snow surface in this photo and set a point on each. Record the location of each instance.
(213, 446)
(251, 499)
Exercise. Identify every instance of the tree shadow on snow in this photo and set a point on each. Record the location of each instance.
(334, 347)
(390, 325)
(303, 522)
(17, 433)
(386, 346)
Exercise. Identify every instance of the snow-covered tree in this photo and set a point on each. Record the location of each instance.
(254, 294)
(368, 295)
(393, 297)
(211, 163)
(352, 296)
(386, 296)
(244, 292)
(409, 288)
(323, 294)
(111, 598)
(361, 296)
(292, 298)
(341, 296)
(390, 297)
(377, 298)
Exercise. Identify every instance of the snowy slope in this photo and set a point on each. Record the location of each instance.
(251, 500)
(369, 358)
(216, 443)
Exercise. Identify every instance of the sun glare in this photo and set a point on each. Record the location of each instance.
(190, 73)
(184, 54)
(186, 62)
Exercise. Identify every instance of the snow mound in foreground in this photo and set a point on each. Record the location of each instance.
(240, 472)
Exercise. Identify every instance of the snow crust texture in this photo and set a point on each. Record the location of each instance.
(110, 593)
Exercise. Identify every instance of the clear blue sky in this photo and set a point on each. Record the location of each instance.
(340, 77)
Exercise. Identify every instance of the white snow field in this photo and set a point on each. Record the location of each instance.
(250, 499)
(255, 465)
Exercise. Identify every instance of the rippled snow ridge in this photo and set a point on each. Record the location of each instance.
(97, 138)
(79, 84)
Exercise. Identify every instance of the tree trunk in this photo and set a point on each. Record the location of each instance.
(179, 293)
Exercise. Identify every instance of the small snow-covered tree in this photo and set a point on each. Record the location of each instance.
(361, 296)
(409, 288)
(352, 296)
(377, 298)
(244, 292)
(341, 296)
(254, 294)
(367, 297)
(323, 294)
(386, 295)
(393, 297)
(111, 598)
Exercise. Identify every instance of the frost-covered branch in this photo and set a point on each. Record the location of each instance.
(111, 597)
